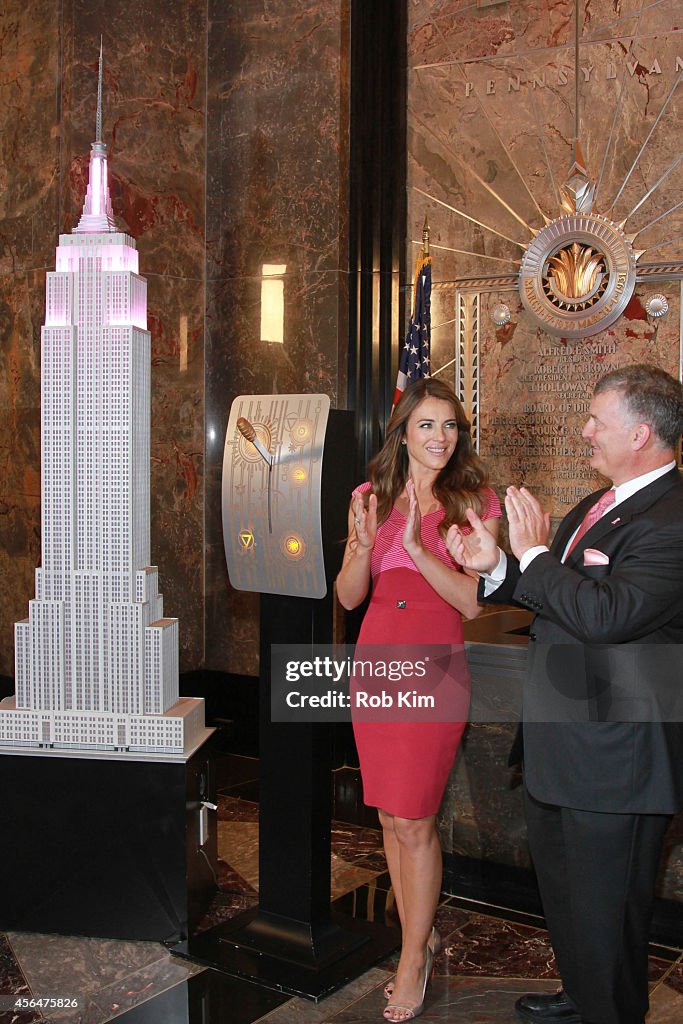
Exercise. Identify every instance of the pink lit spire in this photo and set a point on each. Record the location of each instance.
(97, 213)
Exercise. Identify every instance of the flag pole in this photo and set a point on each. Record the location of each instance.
(425, 240)
(420, 263)
(414, 356)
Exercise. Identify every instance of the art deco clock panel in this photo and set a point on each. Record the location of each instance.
(272, 481)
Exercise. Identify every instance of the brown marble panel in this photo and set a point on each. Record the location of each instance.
(461, 30)
(635, 104)
(335, 1007)
(441, 31)
(666, 1006)
(153, 118)
(358, 845)
(231, 881)
(176, 322)
(500, 949)
(21, 313)
(232, 808)
(276, 193)
(609, 20)
(30, 136)
(106, 976)
(534, 435)
(13, 983)
(29, 148)
(670, 882)
(482, 813)
(238, 847)
(674, 979)
(274, 171)
(225, 906)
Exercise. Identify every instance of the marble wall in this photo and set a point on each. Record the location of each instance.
(277, 182)
(29, 208)
(227, 130)
(491, 108)
(492, 119)
(534, 436)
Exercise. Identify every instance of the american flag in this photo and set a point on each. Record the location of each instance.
(414, 361)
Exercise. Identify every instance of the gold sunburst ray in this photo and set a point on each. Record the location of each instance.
(642, 148)
(444, 323)
(622, 90)
(485, 114)
(672, 166)
(473, 174)
(466, 216)
(666, 213)
(468, 252)
(442, 368)
(660, 245)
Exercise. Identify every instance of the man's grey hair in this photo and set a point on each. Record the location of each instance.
(650, 396)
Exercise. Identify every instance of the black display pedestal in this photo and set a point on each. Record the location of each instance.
(106, 846)
(292, 941)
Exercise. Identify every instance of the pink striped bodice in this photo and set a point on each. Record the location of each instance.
(389, 553)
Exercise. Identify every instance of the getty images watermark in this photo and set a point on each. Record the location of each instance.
(570, 683)
(377, 682)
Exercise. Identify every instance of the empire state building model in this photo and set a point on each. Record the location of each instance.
(96, 662)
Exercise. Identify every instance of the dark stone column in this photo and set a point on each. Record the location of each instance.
(377, 216)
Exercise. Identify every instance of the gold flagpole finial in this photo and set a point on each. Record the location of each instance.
(425, 238)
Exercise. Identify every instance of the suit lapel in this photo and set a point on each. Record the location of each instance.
(615, 518)
(571, 522)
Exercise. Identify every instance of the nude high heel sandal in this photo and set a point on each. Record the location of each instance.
(434, 943)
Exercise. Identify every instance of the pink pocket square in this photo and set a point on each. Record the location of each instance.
(592, 556)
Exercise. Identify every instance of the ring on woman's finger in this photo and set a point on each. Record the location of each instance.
(357, 521)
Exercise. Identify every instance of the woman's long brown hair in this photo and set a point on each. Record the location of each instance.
(460, 483)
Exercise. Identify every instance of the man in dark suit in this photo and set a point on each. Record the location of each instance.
(602, 720)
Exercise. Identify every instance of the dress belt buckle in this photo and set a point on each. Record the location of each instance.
(400, 604)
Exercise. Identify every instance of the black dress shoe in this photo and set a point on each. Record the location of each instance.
(546, 1006)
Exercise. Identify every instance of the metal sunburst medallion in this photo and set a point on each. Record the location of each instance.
(579, 271)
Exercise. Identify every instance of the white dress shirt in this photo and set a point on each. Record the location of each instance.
(494, 579)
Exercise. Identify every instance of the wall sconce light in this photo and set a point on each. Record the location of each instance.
(182, 343)
(657, 305)
(500, 314)
(273, 302)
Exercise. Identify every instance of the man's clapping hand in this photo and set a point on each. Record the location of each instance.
(477, 550)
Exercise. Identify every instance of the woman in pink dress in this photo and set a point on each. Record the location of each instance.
(421, 482)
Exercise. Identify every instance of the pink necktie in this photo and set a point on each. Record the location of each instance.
(591, 517)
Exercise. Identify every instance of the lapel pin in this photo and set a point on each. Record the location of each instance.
(615, 521)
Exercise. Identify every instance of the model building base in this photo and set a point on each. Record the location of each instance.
(108, 847)
(177, 732)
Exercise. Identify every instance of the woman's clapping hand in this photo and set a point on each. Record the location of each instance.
(412, 537)
(365, 520)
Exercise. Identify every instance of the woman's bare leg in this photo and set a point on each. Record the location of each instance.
(415, 854)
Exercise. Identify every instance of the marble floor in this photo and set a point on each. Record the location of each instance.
(490, 955)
